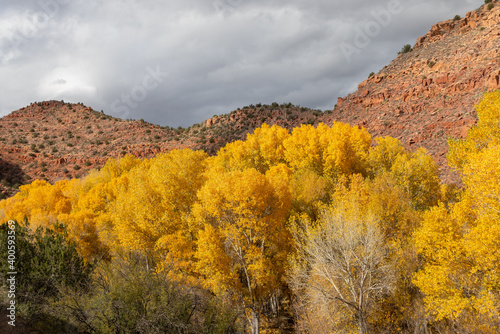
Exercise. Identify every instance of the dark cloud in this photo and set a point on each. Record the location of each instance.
(178, 63)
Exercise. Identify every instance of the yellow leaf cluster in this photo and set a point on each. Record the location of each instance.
(261, 150)
(329, 151)
(416, 172)
(460, 243)
(486, 132)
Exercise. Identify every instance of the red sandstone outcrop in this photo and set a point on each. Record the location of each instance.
(428, 95)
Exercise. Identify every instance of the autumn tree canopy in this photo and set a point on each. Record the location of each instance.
(323, 224)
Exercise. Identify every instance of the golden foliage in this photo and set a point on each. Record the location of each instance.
(261, 150)
(329, 151)
(460, 243)
(243, 246)
(486, 132)
(226, 221)
(416, 172)
(151, 213)
(246, 212)
(343, 261)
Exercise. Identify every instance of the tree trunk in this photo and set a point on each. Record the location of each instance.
(255, 322)
(362, 323)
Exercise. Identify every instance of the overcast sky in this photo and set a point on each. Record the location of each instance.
(176, 62)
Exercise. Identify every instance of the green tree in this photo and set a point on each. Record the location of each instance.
(127, 297)
(405, 49)
(45, 261)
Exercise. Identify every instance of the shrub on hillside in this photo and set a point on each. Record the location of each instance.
(405, 49)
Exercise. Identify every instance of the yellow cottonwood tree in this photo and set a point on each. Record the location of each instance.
(461, 249)
(487, 131)
(89, 221)
(418, 175)
(460, 243)
(261, 150)
(382, 157)
(329, 151)
(389, 207)
(151, 213)
(243, 246)
(39, 201)
(309, 192)
(82, 205)
(44, 205)
(416, 172)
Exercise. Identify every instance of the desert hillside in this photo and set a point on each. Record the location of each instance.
(425, 96)
(53, 140)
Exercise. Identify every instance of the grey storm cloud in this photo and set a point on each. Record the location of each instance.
(181, 62)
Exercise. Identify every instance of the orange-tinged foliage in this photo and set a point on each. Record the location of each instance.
(215, 263)
(39, 201)
(79, 204)
(152, 209)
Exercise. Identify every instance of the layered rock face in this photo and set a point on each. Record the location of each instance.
(428, 95)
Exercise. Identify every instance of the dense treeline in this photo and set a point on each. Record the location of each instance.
(321, 230)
